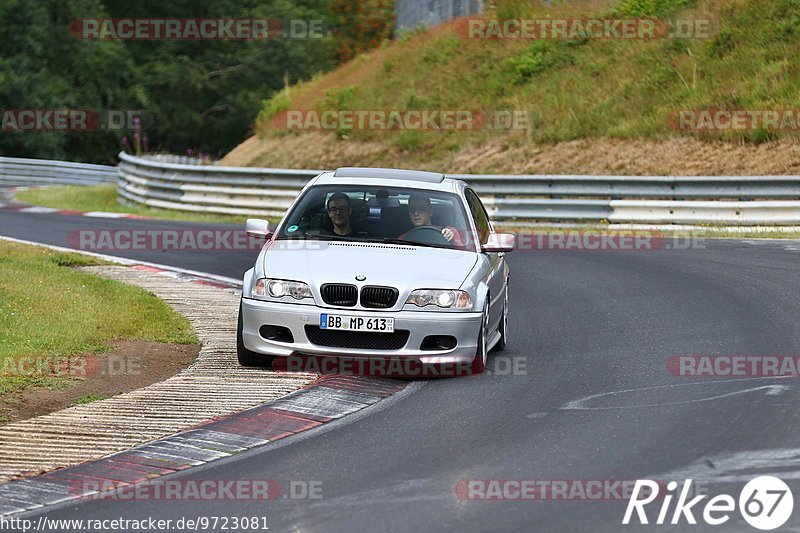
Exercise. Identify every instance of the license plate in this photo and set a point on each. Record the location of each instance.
(356, 323)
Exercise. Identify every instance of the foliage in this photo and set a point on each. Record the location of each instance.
(361, 25)
(728, 55)
(538, 57)
(200, 94)
(651, 8)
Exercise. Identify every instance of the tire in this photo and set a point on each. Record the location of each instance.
(481, 353)
(503, 327)
(247, 357)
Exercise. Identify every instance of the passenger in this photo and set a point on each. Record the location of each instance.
(339, 211)
(420, 212)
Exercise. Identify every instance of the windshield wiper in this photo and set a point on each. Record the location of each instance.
(390, 240)
(334, 238)
(321, 238)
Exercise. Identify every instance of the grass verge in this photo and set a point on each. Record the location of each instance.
(88, 399)
(50, 312)
(573, 88)
(104, 198)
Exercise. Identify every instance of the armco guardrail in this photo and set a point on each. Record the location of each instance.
(162, 182)
(511, 199)
(15, 171)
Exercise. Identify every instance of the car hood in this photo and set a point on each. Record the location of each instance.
(318, 262)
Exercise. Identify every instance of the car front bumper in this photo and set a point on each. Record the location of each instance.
(464, 326)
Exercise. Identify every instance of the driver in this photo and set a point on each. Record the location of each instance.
(420, 212)
(339, 211)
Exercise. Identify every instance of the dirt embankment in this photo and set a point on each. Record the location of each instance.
(130, 365)
(674, 156)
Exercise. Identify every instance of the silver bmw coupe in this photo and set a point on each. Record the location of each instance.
(378, 264)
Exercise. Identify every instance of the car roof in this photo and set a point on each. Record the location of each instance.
(389, 177)
(388, 173)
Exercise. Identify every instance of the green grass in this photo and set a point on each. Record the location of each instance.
(571, 89)
(104, 198)
(88, 399)
(51, 311)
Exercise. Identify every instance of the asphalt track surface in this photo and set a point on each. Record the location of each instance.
(63, 230)
(582, 324)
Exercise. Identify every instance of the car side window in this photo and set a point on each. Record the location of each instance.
(479, 215)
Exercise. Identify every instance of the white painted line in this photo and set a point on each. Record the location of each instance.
(38, 209)
(320, 401)
(129, 262)
(103, 214)
(171, 274)
(740, 467)
(580, 405)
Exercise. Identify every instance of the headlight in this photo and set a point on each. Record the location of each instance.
(440, 298)
(278, 288)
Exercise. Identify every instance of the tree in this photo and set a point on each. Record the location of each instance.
(194, 94)
(361, 25)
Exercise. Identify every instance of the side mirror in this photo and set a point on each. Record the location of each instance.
(256, 227)
(499, 242)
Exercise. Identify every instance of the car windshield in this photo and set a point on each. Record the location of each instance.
(379, 214)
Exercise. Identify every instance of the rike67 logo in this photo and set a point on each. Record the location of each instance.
(765, 503)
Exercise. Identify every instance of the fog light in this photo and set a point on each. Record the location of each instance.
(438, 342)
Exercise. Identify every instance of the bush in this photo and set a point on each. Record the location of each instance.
(651, 8)
(279, 102)
(361, 25)
(536, 58)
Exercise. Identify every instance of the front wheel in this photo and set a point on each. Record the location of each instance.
(481, 353)
(503, 328)
(247, 357)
